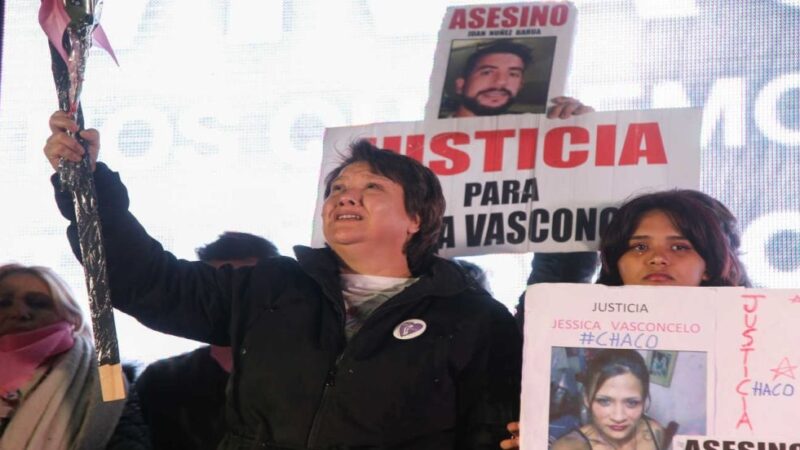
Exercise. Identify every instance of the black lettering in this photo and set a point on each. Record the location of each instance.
(538, 216)
(475, 230)
(495, 232)
(515, 222)
(448, 236)
(510, 191)
(692, 444)
(471, 190)
(530, 191)
(490, 194)
(562, 225)
(586, 224)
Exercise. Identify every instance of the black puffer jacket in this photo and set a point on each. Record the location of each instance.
(296, 382)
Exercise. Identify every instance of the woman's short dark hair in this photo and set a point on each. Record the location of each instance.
(702, 219)
(609, 363)
(422, 194)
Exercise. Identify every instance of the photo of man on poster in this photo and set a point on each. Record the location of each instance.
(498, 76)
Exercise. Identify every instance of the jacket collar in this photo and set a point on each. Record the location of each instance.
(443, 277)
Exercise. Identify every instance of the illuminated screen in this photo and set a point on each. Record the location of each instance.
(215, 116)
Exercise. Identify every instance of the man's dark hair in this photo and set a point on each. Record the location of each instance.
(233, 245)
(421, 191)
(501, 46)
(702, 219)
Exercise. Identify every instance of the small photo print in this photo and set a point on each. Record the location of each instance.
(619, 397)
(489, 77)
(661, 365)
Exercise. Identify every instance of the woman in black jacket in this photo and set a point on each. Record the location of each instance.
(371, 343)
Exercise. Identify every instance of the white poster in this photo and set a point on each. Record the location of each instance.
(521, 183)
(504, 58)
(722, 365)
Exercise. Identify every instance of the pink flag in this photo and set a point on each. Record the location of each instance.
(54, 20)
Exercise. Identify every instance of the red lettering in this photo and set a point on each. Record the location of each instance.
(746, 348)
(526, 158)
(554, 147)
(632, 150)
(750, 326)
(539, 16)
(754, 298)
(747, 334)
(739, 387)
(493, 156)
(492, 17)
(746, 351)
(476, 17)
(606, 145)
(391, 143)
(559, 15)
(509, 17)
(440, 146)
(744, 418)
(415, 146)
(524, 20)
(459, 19)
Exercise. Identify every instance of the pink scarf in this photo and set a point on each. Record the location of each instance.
(21, 353)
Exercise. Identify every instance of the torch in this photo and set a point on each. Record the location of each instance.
(70, 26)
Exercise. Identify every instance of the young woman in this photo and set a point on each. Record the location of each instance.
(687, 236)
(676, 237)
(49, 386)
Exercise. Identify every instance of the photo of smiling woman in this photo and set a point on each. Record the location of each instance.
(606, 399)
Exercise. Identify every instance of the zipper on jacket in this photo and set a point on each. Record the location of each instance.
(330, 383)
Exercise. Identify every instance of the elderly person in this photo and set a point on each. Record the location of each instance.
(372, 342)
(49, 386)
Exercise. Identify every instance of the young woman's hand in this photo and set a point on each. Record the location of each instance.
(513, 441)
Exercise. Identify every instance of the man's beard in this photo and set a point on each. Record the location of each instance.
(472, 104)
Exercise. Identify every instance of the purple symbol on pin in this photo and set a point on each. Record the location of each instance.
(409, 329)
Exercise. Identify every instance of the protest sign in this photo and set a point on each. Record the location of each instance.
(521, 183)
(721, 362)
(528, 45)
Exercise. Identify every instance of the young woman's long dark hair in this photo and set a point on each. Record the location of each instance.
(702, 219)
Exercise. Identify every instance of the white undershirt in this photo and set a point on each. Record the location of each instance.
(358, 289)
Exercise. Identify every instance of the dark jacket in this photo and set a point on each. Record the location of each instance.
(131, 432)
(296, 382)
(183, 401)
